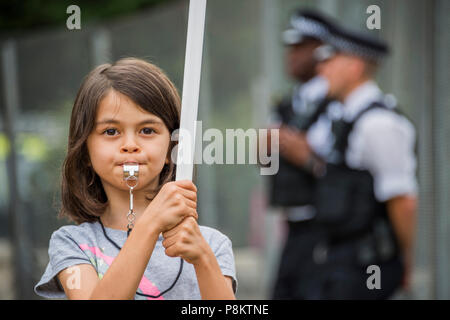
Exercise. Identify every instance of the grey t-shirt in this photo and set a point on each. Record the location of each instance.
(86, 244)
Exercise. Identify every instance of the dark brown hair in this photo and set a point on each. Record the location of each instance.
(82, 194)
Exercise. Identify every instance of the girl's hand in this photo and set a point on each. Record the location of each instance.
(186, 241)
(175, 201)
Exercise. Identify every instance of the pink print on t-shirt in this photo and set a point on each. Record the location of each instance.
(146, 286)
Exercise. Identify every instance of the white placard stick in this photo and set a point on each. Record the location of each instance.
(191, 89)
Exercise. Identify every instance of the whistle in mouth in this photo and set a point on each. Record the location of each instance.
(130, 171)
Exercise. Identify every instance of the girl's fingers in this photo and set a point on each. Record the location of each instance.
(172, 251)
(183, 224)
(185, 187)
(186, 184)
(190, 203)
(193, 213)
(173, 231)
(188, 194)
(169, 241)
(174, 189)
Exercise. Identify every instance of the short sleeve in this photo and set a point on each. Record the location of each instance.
(225, 258)
(63, 252)
(222, 248)
(388, 152)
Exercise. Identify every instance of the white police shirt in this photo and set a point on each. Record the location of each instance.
(304, 100)
(307, 96)
(382, 142)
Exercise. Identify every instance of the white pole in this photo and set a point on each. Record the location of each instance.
(191, 89)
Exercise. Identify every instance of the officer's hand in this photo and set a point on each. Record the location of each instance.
(294, 146)
(406, 282)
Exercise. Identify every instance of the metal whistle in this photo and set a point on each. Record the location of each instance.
(131, 173)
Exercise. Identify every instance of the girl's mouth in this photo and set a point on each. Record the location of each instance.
(130, 163)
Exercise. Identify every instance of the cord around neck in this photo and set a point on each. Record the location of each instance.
(138, 293)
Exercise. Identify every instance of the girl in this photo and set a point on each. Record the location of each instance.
(126, 113)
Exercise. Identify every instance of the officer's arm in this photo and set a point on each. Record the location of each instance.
(389, 155)
(402, 214)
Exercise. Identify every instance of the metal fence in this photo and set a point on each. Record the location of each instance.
(242, 72)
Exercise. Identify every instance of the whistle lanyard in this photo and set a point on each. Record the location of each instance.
(131, 173)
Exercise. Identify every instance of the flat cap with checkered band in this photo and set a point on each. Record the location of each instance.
(306, 24)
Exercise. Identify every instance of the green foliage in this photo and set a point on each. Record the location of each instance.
(31, 14)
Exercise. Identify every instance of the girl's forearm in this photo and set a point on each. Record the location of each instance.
(212, 283)
(122, 278)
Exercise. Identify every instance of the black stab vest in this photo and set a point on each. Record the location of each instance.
(345, 199)
(293, 186)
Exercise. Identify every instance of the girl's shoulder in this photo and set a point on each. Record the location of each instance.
(75, 233)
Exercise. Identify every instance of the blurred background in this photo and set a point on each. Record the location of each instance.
(43, 63)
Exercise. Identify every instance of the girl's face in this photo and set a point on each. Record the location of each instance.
(123, 132)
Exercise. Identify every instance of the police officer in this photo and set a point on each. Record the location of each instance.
(366, 194)
(300, 115)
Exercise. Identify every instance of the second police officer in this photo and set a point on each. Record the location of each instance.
(366, 191)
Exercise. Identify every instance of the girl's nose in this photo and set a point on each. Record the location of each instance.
(130, 146)
(130, 149)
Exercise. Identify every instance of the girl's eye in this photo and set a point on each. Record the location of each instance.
(147, 130)
(110, 132)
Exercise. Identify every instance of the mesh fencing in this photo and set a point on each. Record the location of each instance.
(242, 73)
